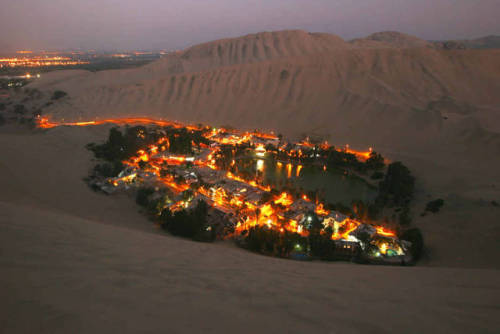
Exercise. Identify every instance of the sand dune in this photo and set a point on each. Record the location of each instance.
(236, 51)
(394, 39)
(45, 169)
(296, 76)
(437, 110)
(66, 274)
(254, 48)
(486, 42)
(76, 261)
(334, 91)
(422, 101)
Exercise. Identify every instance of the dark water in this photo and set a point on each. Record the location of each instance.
(334, 184)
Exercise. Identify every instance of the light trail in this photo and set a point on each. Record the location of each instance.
(270, 214)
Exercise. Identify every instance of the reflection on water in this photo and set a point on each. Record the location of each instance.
(334, 185)
(299, 168)
(260, 165)
(289, 170)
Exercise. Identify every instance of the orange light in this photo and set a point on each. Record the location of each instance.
(385, 232)
(284, 199)
(321, 211)
(299, 168)
(271, 214)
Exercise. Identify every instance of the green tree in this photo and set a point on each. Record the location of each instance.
(142, 195)
(397, 187)
(377, 175)
(58, 94)
(322, 246)
(264, 240)
(375, 161)
(416, 238)
(404, 216)
(434, 206)
(108, 169)
(189, 224)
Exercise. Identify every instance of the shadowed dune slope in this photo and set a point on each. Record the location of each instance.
(250, 49)
(391, 39)
(362, 96)
(77, 261)
(66, 274)
(231, 51)
(436, 110)
(430, 107)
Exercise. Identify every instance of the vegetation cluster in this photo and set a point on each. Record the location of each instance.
(191, 223)
(319, 244)
(58, 94)
(395, 190)
(434, 206)
(121, 146)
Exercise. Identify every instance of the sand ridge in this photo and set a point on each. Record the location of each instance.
(77, 261)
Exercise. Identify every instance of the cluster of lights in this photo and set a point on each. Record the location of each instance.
(39, 61)
(271, 214)
(30, 76)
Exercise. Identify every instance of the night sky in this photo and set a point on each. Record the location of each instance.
(169, 25)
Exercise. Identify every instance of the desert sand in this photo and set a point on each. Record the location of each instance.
(433, 108)
(76, 261)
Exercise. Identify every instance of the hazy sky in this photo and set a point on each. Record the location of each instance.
(166, 24)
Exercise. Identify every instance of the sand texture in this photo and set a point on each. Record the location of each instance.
(74, 261)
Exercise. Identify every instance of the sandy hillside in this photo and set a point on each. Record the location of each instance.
(390, 39)
(405, 97)
(437, 110)
(75, 261)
